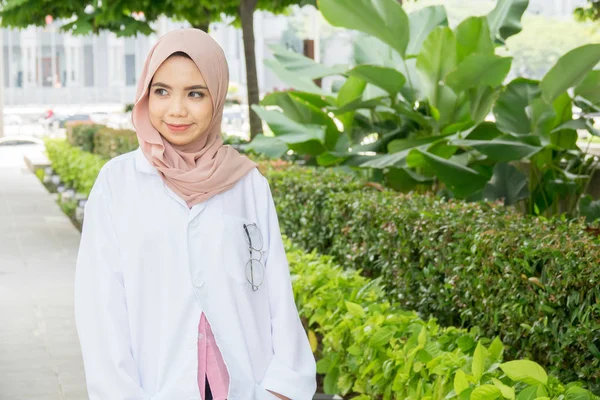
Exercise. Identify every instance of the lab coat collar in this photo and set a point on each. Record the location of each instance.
(142, 164)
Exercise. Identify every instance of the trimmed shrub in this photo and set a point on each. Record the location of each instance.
(81, 134)
(531, 281)
(110, 143)
(77, 168)
(368, 347)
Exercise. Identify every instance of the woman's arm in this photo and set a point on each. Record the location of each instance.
(292, 371)
(100, 309)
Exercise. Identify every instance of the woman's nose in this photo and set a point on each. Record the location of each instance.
(177, 108)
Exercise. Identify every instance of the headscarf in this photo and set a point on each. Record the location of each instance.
(205, 167)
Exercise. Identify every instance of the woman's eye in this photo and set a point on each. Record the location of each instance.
(198, 95)
(160, 92)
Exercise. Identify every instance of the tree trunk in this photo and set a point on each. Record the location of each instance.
(247, 8)
(203, 26)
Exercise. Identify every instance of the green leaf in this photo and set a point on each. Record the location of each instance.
(460, 382)
(403, 179)
(529, 393)
(381, 337)
(384, 19)
(507, 391)
(436, 60)
(302, 65)
(388, 79)
(473, 36)
(355, 310)
(500, 149)
(577, 393)
(525, 371)
(295, 81)
(510, 108)
(306, 139)
(270, 146)
(505, 19)
(485, 392)
(508, 184)
(402, 144)
(351, 90)
(569, 71)
(482, 100)
(477, 368)
(422, 22)
(462, 181)
(479, 70)
(590, 209)
(589, 88)
(330, 381)
(542, 116)
(496, 349)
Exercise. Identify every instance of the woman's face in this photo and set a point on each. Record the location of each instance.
(179, 103)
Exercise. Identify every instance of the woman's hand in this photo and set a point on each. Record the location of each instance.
(279, 396)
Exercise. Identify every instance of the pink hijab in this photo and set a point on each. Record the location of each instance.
(206, 167)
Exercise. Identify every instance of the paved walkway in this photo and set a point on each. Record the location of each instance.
(40, 357)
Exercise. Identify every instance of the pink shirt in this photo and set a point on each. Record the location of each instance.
(210, 363)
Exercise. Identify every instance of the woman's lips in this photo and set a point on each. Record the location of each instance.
(178, 128)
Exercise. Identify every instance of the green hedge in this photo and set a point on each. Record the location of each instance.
(77, 168)
(82, 135)
(370, 348)
(533, 282)
(101, 140)
(366, 345)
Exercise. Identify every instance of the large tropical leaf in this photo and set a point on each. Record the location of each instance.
(479, 70)
(510, 109)
(305, 139)
(461, 180)
(481, 100)
(505, 19)
(295, 81)
(507, 184)
(422, 22)
(569, 71)
(436, 60)
(384, 19)
(473, 36)
(270, 146)
(589, 88)
(589, 208)
(387, 79)
(351, 91)
(501, 149)
(303, 112)
(302, 65)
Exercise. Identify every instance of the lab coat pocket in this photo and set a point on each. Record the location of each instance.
(243, 251)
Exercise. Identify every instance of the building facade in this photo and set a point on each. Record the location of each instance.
(43, 66)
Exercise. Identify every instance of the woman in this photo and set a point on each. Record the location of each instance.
(182, 287)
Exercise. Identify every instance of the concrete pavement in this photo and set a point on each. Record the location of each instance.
(40, 357)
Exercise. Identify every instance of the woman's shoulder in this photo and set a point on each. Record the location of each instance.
(114, 171)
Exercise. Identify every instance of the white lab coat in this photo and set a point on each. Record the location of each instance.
(148, 266)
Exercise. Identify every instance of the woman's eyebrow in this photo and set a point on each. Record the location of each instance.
(187, 88)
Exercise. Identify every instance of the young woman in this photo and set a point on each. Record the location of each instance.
(182, 287)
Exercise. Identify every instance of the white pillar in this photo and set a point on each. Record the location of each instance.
(53, 56)
(116, 60)
(29, 55)
(73, 49)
